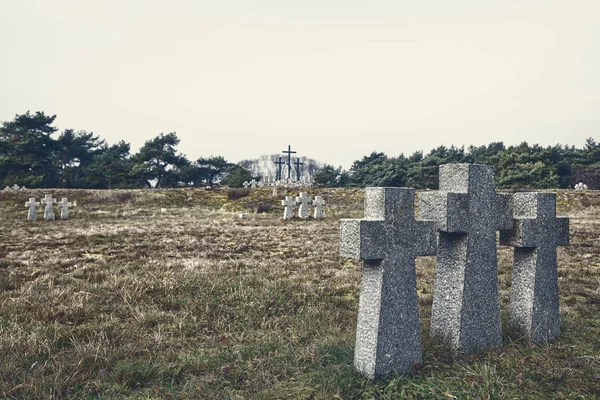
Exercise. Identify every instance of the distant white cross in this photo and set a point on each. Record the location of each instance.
(32, 205)
(318, 202)
(303, 200)
(49, 202)
(288, 211)
(246, 184)
(64, 208)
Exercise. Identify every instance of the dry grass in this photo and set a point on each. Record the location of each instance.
(167, 294)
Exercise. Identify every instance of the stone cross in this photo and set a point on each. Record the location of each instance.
(534, 292)
(388, 333)
(289, 152)
(48, 202)
(64, 208)
(32, 205)
(468, 212)
(318, 202)
(288, 211)
(279, 164)
(253, 183)
(246, 184)
(303, 200)
(15, 187)
(298, 164)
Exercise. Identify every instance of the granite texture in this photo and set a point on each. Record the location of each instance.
(534, 308)
(303, 200)
(318, 202)
(48, 203)
(388, 239)
(467, 212)
(288, 211)
(32, 205)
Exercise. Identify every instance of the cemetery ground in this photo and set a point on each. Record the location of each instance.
(169, 294)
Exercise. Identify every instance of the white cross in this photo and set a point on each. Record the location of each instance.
(64, 208)
(318, 202)
(303, 200)
(246, 184)
(253, 183)
(32, 205)
(49, 202)
(288, 211)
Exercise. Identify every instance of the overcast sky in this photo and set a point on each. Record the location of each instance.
(335, 79)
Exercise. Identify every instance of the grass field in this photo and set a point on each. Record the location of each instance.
(168, 294)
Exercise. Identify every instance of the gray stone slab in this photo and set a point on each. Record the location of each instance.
(534, 308)
(388, 335)
(468, 212)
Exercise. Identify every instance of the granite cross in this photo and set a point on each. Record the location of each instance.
(246, 184)
(64, 208)
(298, 164)
(289, 162)
(318, 202)
(288, 211)
(388, 333)
(253, 183)
(534, 293)
(468, 212)
(32, 205)
(48, 202)
(303, 200)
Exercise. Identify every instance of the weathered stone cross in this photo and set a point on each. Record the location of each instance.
(468, 212)
(246, 184)
(253, 183)
(388, 334)
(303, 200)
(534, 294)
(318, 202)
(288, 211)
(32, 205)
(48, 202)
(64, 208)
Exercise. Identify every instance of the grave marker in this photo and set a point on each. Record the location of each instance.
(303, 200)
(468, 212)
(288, 211)
(64, 208)
(534, 293)
(32, 205)
(318, 202)
(388, 333)
(48, 202)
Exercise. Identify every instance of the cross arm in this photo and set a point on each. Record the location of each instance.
(448, 210)
(362, 239)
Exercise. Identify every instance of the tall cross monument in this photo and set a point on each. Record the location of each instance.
(289, 152)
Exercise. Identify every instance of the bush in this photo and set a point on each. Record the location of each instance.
(236, 194)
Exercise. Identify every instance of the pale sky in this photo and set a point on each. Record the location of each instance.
(335, 79)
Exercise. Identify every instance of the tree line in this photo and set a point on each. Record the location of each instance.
(35, 155)
(516, 167)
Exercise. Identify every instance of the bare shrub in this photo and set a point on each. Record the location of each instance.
(236, 194)
(263, 208)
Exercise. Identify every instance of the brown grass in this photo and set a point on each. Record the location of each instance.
(168, 294)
